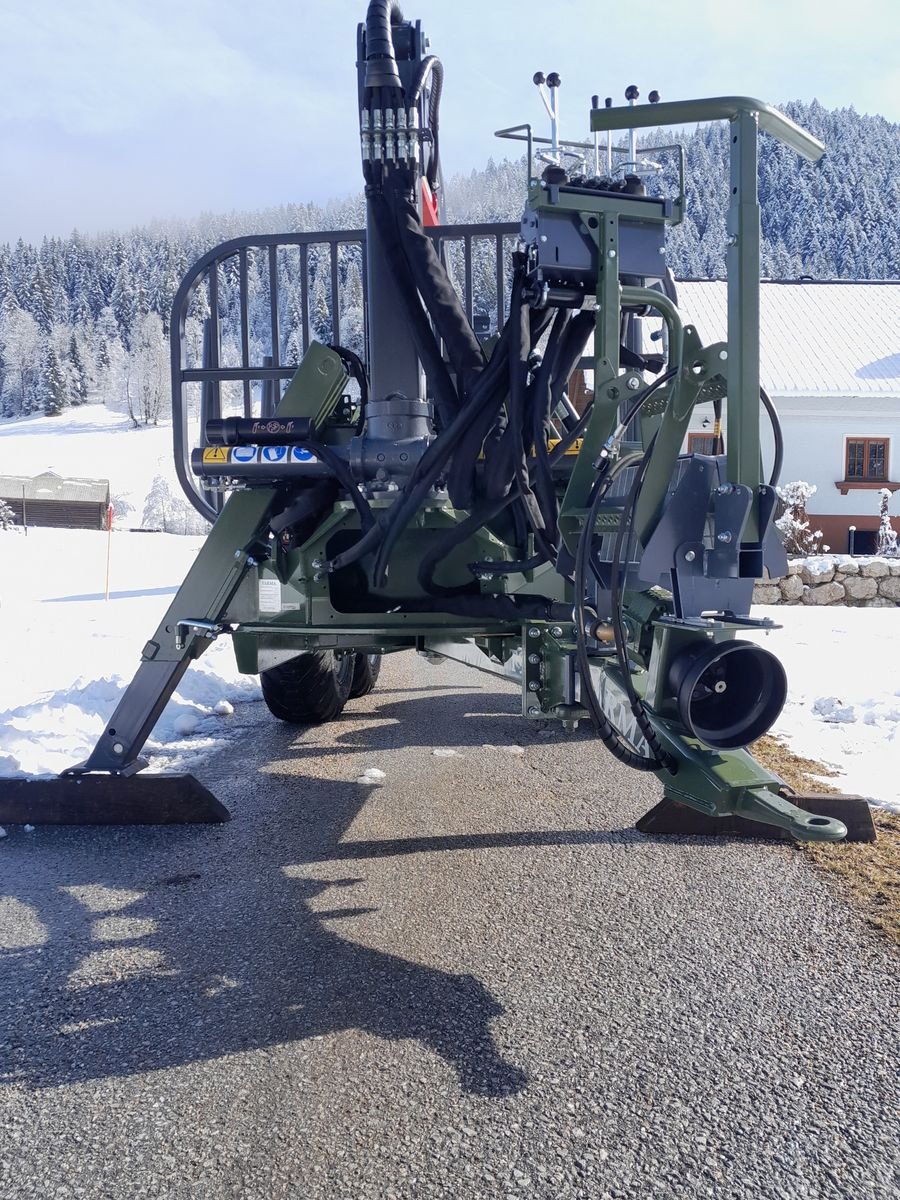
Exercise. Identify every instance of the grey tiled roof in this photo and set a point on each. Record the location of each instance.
(816, 339)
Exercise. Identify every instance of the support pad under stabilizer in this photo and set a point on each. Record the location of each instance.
(109, 800)
(672, 816)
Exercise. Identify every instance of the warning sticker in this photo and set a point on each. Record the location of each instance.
(269, 595)
(299, 454)
(244, 454)
(215, 454)
(552, 443)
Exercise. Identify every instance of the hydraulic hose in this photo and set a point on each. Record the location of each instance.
(777, 435)
(357, 370)
(661, 759)
(446, 396)
(430, 67)
(381, 65)
(614, 741)
(430, 278)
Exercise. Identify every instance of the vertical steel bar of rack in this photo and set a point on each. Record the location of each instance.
(245, 326)
(304, 294)
(467, 244)
(335, 297)
(501, 280)
(273, 305)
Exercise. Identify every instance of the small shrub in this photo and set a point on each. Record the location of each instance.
(793, 524)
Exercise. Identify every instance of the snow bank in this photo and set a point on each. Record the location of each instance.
(843, 707)
(68, 654)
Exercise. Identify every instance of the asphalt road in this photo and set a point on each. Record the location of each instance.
(473, 980)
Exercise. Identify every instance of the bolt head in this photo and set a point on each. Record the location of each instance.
(610, 254)
(118, 748)
(534, 632)
(690, 555)
(557, 631)
(237, 554)
(534, 686)
(533, 711)
(633, 383)
(534, 659)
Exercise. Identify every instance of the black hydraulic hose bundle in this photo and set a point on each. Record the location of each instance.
(381, 64)
(612, 738)
(541, 408)
(446, 395)
(430, 278)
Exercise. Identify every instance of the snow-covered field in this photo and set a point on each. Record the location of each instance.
(66, 653)
(92, 443)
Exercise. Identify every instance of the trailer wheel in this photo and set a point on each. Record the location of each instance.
(309, 689)
(366, 669)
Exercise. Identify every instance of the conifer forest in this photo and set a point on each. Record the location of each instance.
(85, 318)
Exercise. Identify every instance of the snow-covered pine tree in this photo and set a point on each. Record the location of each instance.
(53, 387)
(7, 516)
(793, 524)
(886, 545)
(79, 384)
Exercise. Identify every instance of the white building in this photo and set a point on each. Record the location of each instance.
(830, 360)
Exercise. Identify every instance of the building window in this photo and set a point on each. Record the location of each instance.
(867, 459)
(701, 443)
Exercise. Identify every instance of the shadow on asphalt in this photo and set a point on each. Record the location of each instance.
(112, 965)
(462, 718)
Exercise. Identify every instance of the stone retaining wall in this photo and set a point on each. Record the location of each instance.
(835, 579)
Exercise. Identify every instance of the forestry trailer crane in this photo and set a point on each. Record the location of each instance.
(453, 500)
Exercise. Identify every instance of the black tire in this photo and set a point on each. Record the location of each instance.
(366, 669)
(309, 689)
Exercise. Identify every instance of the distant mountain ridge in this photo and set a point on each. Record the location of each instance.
(84, 317)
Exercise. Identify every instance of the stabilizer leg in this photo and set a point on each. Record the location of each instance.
(672, 816)
(105, 788)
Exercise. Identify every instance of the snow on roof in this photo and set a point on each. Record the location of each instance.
(50, 486)
(816, 339)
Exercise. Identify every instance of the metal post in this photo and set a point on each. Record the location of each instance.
(631, 94)
(595, 103)
(267, 400)
(607, 103)
(742, 258)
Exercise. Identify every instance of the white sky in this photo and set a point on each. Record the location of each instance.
(113, 112)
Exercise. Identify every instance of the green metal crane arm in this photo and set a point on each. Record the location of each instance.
(713, 108)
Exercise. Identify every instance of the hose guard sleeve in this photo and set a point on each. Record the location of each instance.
(381, 65)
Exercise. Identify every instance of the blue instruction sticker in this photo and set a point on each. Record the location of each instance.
(274, 454)
(244, 454)
(300, 454)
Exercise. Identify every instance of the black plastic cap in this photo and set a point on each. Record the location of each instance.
(539, 78)
(631, 92)
(653, 97)
(553, 79)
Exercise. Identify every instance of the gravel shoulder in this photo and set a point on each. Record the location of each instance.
(473, 979)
